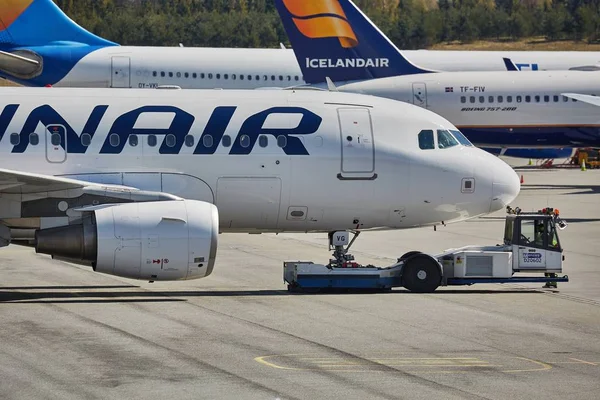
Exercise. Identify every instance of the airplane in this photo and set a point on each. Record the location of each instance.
(140, 185)
(41, 46)
(497, 109)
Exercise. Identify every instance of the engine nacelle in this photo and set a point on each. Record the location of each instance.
(155, 241)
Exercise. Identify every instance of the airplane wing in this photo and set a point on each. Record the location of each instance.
(21, 188)
(586, 98)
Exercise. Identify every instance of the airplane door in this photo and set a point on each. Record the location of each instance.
(56, 143)
(358, 150)
(120, 72)
(420, 95)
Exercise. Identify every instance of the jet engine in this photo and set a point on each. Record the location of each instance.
(155, 241)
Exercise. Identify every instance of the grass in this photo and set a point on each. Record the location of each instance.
(532, 44)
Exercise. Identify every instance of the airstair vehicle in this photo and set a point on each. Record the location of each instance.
(531, 245)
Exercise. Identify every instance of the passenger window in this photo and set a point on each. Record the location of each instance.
(226, 76)
(537, 99)
(15, 139)
(86, 139)
(472, 99)
(152, 141)
(245, 141)
(187, 75)
(565, 99)
(202, 75)
(263, 141)
(189, 141)
(55, 139)
(500, 99)
(194, 75)
(170, 74)
(171, 140)
(528, 99)
(218, 76)
(445, 139)
(114, 140)
(463, 99)
(546, 99)
(249, 77)
(266, 78)
(226, 141)
(272, 77)
(281, 141)
(179, 74)
(34, 139)
(258, 77)
(207, 141)
(162, 74)
(462, 139)
(281, 77)
(426, 141)
(509, 99)
(210, 76)
(491, 99)
(289, 78)
(481, 99)
(133, 140)
(574, 100)
(519, 99)
(296, 78)
(154, 73)
(555, 98)
(241, 77)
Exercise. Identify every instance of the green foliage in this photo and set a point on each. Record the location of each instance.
(409, 23)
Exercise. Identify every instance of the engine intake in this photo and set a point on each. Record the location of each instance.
(169, 240)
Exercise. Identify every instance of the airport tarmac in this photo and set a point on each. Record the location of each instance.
(67, 332)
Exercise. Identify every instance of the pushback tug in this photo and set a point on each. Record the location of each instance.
(531, 245)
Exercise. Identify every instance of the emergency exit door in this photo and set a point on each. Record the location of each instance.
(56, 143)
(120, 72)
(420, 95)
(358, 151)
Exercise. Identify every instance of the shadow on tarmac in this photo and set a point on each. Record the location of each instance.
(29, 295)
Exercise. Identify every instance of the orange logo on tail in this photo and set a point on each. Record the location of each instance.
(322, 19)
(10, 10)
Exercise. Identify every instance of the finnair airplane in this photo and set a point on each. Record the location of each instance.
(139, 186)
(40, 45)
(498, 109)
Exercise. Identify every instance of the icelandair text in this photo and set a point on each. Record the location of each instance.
(347, 63)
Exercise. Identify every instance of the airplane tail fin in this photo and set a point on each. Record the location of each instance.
(39, 23)
(335, 39)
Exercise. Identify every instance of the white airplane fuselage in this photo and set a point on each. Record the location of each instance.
(271, 161)
(502, 109)
(230, 68)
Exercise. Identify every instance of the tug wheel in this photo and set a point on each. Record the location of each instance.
(408, 255)
(421, 274)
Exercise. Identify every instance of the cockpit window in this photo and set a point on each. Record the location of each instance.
(445, 139)
(461, 138)
(426, 140)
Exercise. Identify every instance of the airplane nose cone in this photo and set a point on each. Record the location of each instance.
(506, 185)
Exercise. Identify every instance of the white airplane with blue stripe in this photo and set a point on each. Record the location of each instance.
(498, 109)
(40, 45)
(139, 185)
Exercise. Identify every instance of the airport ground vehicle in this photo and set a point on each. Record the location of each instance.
(530, 245)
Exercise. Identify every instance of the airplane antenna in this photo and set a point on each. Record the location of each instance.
(180, 44)
(282, 46)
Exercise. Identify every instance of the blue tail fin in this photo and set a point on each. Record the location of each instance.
(333, 38)
(39, 23)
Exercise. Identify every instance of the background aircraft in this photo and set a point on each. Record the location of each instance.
(40, 45)
(140, 187)
(499, 109)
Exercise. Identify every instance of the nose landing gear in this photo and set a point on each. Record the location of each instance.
(340, 243)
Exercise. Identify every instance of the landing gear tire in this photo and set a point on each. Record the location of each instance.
(421, 274)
